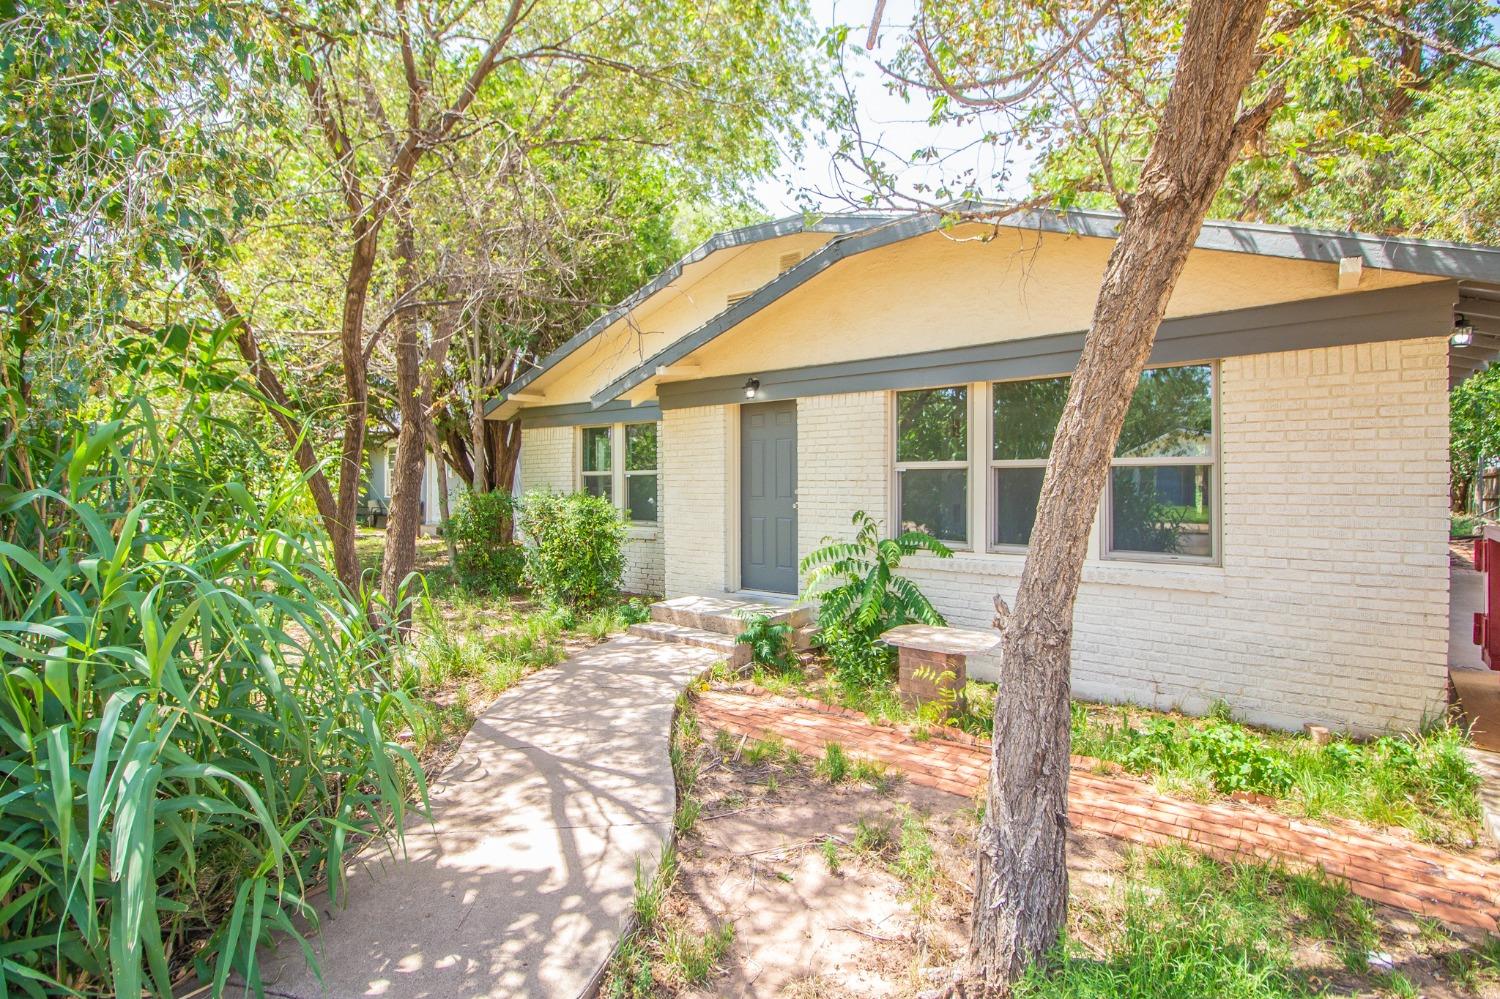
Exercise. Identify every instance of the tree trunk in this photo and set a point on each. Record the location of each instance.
(1021, 890)
(479, 456)
(436, 447)
(405, 518)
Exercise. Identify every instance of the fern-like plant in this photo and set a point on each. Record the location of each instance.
(864, 595)
(770, 643)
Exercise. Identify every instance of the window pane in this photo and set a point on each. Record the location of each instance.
(936, 500)
(1163, 509)
(1017, 492)
(640, 447)
(1026, 415)
(599, 485)
(1171, 414)
(932, 425)
(596, 457)
(640, 497)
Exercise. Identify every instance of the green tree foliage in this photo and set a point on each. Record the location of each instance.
(1387, 126)
(1474, 416)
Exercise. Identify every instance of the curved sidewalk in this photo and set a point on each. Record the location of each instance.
(523, 883)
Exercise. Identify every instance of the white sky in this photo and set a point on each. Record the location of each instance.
(883, 116)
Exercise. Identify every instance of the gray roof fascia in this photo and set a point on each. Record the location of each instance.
(810, 267)
(1432, 257)
(729, 239)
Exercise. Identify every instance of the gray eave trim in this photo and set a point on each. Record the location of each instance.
(836, 223)
(1329, 246)
(579, 414)
(1389, 314)
(811, 266)
(1455, 260)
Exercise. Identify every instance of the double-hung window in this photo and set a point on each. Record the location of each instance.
(619, 463)
(1161, 501)
(932, 462)
(1025, 420)
(640, 473)
(598, 472)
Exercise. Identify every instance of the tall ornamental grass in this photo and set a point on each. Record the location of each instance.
(195, 717)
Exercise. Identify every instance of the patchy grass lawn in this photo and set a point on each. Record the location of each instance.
(467, 649)
(1421, 782)
(830, 877)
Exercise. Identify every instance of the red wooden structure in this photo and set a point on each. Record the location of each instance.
(1487, 621)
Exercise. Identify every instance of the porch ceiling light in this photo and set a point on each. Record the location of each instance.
(1462, 335)
(752, 386)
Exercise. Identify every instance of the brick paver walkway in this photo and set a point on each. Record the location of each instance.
(1384, 868)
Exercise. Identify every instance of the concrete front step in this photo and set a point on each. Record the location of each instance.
(662, 631)
(727, 614)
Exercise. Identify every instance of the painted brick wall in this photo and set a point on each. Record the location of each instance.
(695, 505)
(1331, 604)
(548, 455)
(837, 435)
(547, 459)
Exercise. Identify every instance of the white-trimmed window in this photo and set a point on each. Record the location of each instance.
(640, 473)
(1161, 502)
(598, 467)
(619, 462)
(1025, 415)
(932, 462)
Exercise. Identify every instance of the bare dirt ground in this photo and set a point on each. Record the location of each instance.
(818, 884)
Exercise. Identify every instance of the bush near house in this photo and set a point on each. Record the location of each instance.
(486, 557)
(574, 548)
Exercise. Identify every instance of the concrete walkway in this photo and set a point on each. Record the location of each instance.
(523, 883)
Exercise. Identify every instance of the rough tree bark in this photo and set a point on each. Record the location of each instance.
(435, 446)
(1022, 882)
(414, 394)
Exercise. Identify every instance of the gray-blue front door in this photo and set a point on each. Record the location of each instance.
(768, 496)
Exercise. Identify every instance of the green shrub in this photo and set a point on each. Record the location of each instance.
(858, 663)
(197, 726)
(575, 548)
(864, 597)
(486, 557)
(770, 644)
(1463, 526)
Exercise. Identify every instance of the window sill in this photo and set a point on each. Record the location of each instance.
(642, 532)
(1187, 577)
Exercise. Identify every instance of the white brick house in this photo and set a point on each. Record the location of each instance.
(1274, 532)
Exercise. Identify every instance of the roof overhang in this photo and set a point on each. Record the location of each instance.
(1416, 256)
(1479, 308)
(840, 223)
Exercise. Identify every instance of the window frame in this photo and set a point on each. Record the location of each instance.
(626, 473)
(1215, 475)
(617, 474)
(583, 475)
(993, 464)
(966, 464)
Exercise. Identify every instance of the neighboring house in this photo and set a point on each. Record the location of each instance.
(1274, 531)
(378, 490)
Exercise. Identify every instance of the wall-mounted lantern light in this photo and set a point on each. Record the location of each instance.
(752, 386)
(1462, 335)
